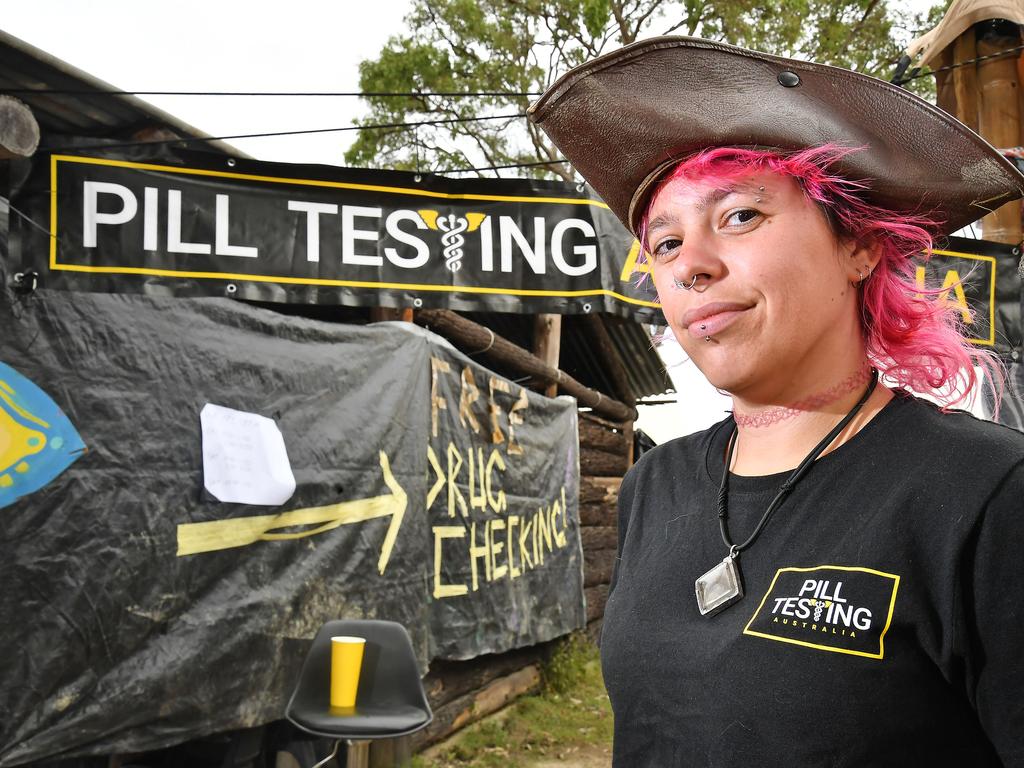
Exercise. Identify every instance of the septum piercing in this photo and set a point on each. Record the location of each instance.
(683, 286)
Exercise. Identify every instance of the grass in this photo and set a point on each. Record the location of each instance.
(570, 713)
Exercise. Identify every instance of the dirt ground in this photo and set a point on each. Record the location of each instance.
(590, 756)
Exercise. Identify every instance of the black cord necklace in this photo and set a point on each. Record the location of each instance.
(722, 586)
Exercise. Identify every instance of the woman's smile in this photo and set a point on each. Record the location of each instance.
(715, 317)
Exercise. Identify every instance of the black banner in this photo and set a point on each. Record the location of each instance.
(192, 224)
(142, 612)
(966, 274)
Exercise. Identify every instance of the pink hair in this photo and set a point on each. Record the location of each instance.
(914, 340)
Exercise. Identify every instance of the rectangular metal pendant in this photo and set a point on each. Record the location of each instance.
(720, 587)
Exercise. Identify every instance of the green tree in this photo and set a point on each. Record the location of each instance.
(514, 49)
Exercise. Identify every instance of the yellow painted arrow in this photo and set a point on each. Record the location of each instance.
(194, 538)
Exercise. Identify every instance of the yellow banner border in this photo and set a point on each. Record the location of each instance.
(991, 340)
(881, 638)
(56, 266)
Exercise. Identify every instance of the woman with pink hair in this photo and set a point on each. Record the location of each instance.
(829, 576)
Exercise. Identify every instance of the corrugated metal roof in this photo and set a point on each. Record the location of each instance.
(89, 113)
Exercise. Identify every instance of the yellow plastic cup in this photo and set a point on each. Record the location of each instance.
(346, 662)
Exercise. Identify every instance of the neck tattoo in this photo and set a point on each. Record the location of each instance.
(774, 415)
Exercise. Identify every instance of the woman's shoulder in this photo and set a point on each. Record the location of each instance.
(930, 429)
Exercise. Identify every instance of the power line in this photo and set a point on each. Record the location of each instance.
(189, 140)
(360, 94)
(502, 167)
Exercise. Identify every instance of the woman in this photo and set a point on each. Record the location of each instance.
(831, 576)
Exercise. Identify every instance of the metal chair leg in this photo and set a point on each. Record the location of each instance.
(326, 760)
(358, 755)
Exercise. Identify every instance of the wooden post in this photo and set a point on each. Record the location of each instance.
(999, 116)
(547, 344)
(965, 80)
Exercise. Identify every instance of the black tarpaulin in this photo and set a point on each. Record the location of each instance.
(116, 642)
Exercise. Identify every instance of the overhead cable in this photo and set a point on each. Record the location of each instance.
(191, 139)
(502, 167)
(360, 94)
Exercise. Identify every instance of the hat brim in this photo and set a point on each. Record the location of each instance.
(624, 118)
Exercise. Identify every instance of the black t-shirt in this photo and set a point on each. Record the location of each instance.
(883, 620)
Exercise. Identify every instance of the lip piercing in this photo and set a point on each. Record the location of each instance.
(683, 286)
(707, 338)
(703, 326)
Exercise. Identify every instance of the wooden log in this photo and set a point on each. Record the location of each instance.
(597, 567)
(448, 680)
(965, 80)
(602, 463)
(1020, 97)
(19, 131)
(596, 596)
(597, 537)
(628, 433)
(547, 343)
(460, 712)
(945, 94)
(391, 753)
(999, 118)
(599, 489)
(593, 435)
(599, 514)
(613, 364)
(471, 337)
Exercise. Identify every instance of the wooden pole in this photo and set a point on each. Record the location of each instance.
(999, 116)
(965, 80)
(945, 94)
(473, 338)
(547, 344)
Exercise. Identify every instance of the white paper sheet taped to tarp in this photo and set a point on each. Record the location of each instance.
(244, 457)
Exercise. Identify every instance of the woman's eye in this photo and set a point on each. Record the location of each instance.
(666, 247)
(742, 216)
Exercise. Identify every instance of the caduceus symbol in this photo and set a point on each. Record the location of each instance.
(452, 226)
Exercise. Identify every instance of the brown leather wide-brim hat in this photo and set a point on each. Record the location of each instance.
(625, 118)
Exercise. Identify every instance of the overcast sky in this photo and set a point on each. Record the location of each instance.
(227, 45)
(224, 45)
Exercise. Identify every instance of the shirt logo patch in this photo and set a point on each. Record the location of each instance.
(828, 607)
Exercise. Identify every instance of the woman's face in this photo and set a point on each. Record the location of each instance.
(774, 286)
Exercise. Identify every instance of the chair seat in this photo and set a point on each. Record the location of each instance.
(366, 723)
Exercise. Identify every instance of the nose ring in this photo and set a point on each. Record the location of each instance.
(683, 286)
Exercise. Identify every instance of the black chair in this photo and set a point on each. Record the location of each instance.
(390, 701)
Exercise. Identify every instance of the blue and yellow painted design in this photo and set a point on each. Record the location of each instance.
(37, 441)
